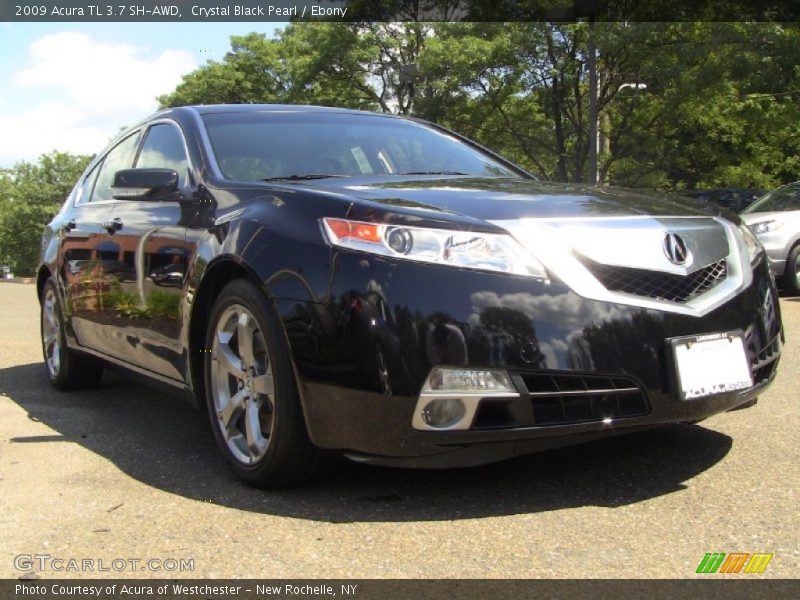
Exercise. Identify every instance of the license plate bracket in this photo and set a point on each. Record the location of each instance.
(709, 364)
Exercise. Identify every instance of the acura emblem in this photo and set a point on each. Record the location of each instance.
(675, 249)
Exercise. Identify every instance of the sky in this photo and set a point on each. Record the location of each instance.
(72, 86)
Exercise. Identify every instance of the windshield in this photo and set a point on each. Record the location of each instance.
(290, 145)
(783, 199)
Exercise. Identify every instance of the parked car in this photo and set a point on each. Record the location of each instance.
(775, 219)
(384, 288)
(735, 199)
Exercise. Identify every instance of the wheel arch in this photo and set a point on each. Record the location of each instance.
(216, 276)
(789, 279)
(42, 276)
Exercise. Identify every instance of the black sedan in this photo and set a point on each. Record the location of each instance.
(326, 281)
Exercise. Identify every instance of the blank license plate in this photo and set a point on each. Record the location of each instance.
(711, 364)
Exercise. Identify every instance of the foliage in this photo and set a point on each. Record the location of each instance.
(164, 304)
(720, 107)
(128, 305)
(350, 65)
(30, 195)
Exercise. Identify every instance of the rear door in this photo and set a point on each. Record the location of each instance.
(154, 256)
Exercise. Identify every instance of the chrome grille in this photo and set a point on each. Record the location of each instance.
(657, 284)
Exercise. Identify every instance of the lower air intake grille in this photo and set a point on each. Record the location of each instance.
(657, 284)
(571, 398)
(763, 363)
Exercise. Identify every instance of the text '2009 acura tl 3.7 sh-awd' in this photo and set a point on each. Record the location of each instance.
(330, 280)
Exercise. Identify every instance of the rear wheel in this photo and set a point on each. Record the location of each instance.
(66, 368)
(252, 395)
(791, 276)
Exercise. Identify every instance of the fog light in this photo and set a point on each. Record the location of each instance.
(448, 380)
(442, 413)
(450, 397)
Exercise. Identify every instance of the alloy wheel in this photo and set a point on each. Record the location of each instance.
(51, 333)
(243, 386)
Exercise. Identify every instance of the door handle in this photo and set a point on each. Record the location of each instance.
(113, 225)
(69, 225)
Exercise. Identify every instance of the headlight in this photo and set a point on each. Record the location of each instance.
(471, 250)
(765, 227)
(754, 247)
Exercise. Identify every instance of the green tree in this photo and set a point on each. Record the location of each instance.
(253, 71)
(719, 108)
(30, 195)
(353, 65)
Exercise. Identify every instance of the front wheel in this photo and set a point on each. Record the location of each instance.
(252, 395)
(66, 368)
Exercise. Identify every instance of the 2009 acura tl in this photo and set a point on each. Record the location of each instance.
(324, 279)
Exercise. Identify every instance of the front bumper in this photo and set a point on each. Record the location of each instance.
(361, 359)
(777, 249)
(376, 429)
(777, 266)
(777, 260)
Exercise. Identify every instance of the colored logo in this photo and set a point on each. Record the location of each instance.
(735, 562)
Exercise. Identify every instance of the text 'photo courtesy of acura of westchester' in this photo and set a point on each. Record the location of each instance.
(327, 282)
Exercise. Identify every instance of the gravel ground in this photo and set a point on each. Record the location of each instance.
(127, 472)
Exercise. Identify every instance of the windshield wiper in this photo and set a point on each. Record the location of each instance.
(302, 177)
(432, 173)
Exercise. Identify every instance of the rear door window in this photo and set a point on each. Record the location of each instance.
(87, 185)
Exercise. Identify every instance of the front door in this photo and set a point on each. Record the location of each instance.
(154, 256)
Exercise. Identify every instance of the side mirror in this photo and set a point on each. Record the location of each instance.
(159, 185)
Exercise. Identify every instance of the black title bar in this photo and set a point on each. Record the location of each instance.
(786, 11)
(727, 588)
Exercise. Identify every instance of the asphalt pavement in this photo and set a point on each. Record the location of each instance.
(127, 473)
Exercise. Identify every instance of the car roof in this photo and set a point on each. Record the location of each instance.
(212, 108)
(207, 109)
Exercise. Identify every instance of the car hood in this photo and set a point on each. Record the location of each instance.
(564, 226)
(781, 215)
(493, 199)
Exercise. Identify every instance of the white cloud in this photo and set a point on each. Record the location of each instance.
(550, 359)
(101, 76)
(90, 90)
(50, 127)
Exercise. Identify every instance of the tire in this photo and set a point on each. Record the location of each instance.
(252, 396)
(790, 281)
(67, 369)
